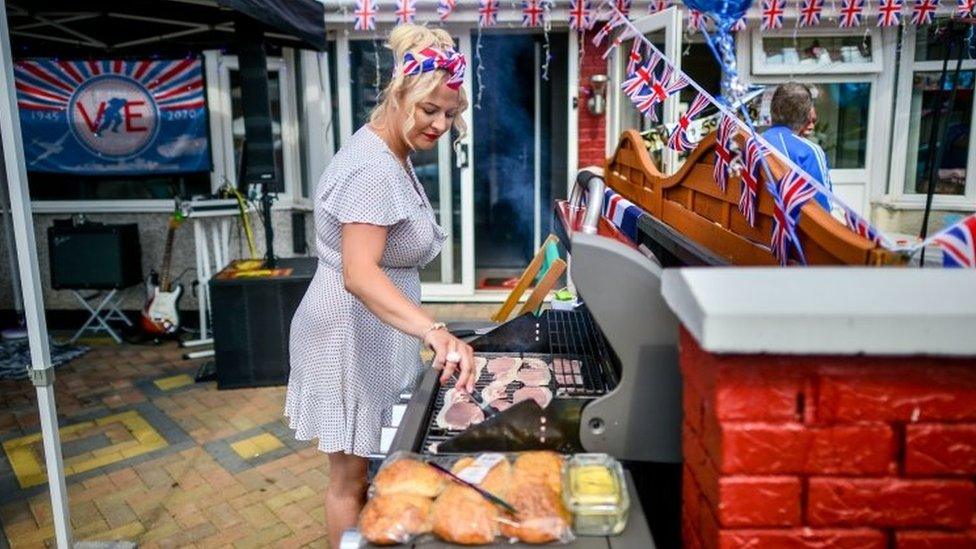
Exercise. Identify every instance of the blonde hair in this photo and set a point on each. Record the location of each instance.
(401, 95)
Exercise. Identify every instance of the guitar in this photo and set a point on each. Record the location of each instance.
(161, 316)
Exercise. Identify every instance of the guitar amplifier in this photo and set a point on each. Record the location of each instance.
(94, 256)
(252, 313)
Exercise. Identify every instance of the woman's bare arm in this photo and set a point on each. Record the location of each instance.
(362, 250)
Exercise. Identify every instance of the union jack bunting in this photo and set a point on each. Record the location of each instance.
(365, 15)
(580, 15)
(772, 14)
(810, 11)
(533, 13)
(794, 191)
(861, 227)
(623, 213)
(783, 231)
(678, 140)
(965, 8)
(959, 244)
(889, 12)
(445, 8)
(642, 77)
(659, 90)
(406, 11)
(740, 24)
(850, 13)
(658, 5)
(635, 55)
(750, 180)
(923, 11)
(623, 6)
(723, 150)
(696, 20)
(487, 13)
(613, 23)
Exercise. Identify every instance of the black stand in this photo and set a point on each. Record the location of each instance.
(954, 37)
(266, 200)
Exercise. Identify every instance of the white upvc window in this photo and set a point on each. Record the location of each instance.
(845, 69)
(916, 103)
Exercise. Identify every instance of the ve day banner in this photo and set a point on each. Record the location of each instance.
(113, 117)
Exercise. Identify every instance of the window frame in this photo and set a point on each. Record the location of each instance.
(895, 193)
(761, 68)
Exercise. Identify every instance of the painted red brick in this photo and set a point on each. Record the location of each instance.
(920, 539)
(694, 408)
(900, 392)
(759, 501)
(889, 502)
(803, 538)
(794, 448)
(591, 129)
(701, 467)
(940, 449)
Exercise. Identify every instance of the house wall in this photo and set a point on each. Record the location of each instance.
(592, 129)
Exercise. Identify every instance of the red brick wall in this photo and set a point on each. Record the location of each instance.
(592, 129)
(784, 451)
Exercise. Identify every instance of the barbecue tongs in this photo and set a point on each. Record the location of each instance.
(476, 397)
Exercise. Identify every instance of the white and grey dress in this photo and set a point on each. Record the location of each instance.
(347, 366)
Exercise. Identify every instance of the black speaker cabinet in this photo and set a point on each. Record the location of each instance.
(94, 256)
(251, 322)
(260, 166)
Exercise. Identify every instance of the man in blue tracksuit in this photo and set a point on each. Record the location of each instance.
(793, 115)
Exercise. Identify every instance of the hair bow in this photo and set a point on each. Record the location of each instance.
(429, 59)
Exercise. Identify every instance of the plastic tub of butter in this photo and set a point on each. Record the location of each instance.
(596, 494)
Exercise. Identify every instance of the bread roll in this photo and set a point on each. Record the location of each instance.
(545, 467)
(397, 518)
(409, 476)
(497, 479)
(461, 515)
(541, 518)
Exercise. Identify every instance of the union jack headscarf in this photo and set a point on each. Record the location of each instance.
(487, 13)
(406, 11)
(365, 15)
(678, 140)
(772, 14)
(750, 180)
(445, 8)
(889, 13)
(430, 59)
(723, 150)
(580, 17)
(850, 13)
(923, 11)
(810, 12)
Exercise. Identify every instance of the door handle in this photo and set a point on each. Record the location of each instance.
(461, 156)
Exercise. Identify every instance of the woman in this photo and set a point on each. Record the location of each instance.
(355, 338)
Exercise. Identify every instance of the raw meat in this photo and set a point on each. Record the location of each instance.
(501, 404)
(502, 367)
(494, 391)
(535, 364)
(566, 365)
(479, 365)
(541, 395)
(533, 376)
(459, 411)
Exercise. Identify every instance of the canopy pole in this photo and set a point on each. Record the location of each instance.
(42, 373)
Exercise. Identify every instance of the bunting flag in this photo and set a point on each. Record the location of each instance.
(749, 178)
(365, 15)
(783, 231)
(923, 11)
(794, 191)
(641, 78)
(445, 8)
(615, 21)
(658, 5)
(810, 12)
(965, 8)
(889, 12)
(959, 244)
(861, 227)
(772, 14)
(623, 6)
(723, 150)
(580, 17)
(659, 90)
(635, 56)
(678, 140)
(532, 13)
(487, 13)
(623, 213)
(740, 24)
(850, 13)
(406, 11)
(696, 20)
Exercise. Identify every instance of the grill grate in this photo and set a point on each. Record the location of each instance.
(574, 338)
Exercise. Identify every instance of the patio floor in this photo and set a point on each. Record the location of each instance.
(155, 458)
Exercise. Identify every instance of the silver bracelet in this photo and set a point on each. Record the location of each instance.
(431, 328)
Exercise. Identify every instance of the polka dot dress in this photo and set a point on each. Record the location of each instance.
(347, 366)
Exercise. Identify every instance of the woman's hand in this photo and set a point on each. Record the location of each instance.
(443, 345)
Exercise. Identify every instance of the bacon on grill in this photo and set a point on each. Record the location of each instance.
(541, 395)
(533, 376)
(458, 411)
(503, 366)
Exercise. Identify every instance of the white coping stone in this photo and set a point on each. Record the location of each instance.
(826, 310)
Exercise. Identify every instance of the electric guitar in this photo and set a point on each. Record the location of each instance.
(161, 315)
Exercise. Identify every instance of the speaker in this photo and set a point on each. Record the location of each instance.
(259, 162)
(252, 321)
(94, 256)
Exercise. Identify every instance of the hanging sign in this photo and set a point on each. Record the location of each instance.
(112, 116)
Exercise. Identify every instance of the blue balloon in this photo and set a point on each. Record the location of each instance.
(724, 13)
